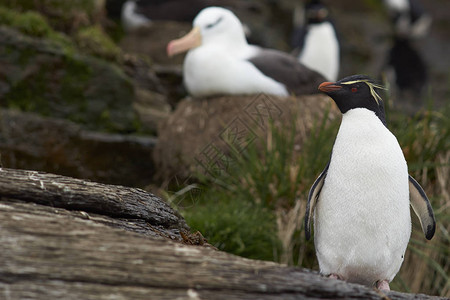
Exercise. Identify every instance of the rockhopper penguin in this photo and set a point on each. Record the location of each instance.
(317, 41)
(361, 199)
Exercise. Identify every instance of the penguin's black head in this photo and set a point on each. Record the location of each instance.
(315, 12)
(357, 91)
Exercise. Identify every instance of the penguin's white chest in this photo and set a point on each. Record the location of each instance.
(321, 50)
(362, 219)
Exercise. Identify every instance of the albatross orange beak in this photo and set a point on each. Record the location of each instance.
(328, 87)
(191, 40)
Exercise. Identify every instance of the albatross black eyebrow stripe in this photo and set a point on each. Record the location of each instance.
(215, 23)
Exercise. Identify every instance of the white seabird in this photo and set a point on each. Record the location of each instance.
(130, 17)
(220, 61)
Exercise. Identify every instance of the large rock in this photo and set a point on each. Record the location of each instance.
(29, 141)
(65, 16)
(39, 75)
(201, 130)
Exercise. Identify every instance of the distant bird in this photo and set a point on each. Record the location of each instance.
(132, 18)
(220, 61)
(316, 40)
(409, 17)
(407, 74)
(405, 69)
(139, 13)
(410, 71)
(361, 199)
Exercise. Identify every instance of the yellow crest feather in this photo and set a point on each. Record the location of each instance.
(372, 86)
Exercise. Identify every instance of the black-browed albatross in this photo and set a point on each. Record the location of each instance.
(220, 61)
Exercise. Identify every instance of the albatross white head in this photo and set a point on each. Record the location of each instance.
(213, 26)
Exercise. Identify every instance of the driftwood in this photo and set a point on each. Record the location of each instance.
(129, 208)
(56, 253)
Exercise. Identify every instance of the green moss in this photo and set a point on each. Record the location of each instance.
(33, 24)
(62, 41)
(48, 75)
(7, 16)
(30, 23)
(74, 81)
(66, 87)
(58, 8)
(29, 97)
(93, 40)
(26, 55)
(375, 5)
(115, 31)
(19, 5)
(88, 6)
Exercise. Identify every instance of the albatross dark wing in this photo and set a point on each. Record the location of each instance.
(287, 70)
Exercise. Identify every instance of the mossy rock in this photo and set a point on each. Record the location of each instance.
(67, 16)
(41, 76)
(93, 40)
(31, 23)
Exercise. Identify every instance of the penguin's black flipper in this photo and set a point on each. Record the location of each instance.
(313, 195)
(422, 207)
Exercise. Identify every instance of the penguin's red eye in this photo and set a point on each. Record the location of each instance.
(354, 89)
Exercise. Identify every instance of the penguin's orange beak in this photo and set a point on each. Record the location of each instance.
(327, 87)
(191, 40)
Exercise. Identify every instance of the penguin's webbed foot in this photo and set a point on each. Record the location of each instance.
(335, 276)
(383, 285)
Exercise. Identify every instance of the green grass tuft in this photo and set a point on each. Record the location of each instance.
(229, 224)
(30, 23)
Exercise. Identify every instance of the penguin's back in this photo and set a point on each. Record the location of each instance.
(362, 219)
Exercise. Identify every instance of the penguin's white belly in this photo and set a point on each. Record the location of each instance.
(362, 218)
(321, 50)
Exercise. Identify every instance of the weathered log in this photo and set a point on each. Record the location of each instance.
(76, 194)
(48, 254)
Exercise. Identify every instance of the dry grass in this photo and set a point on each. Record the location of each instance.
(427, 267)
(288, 221)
